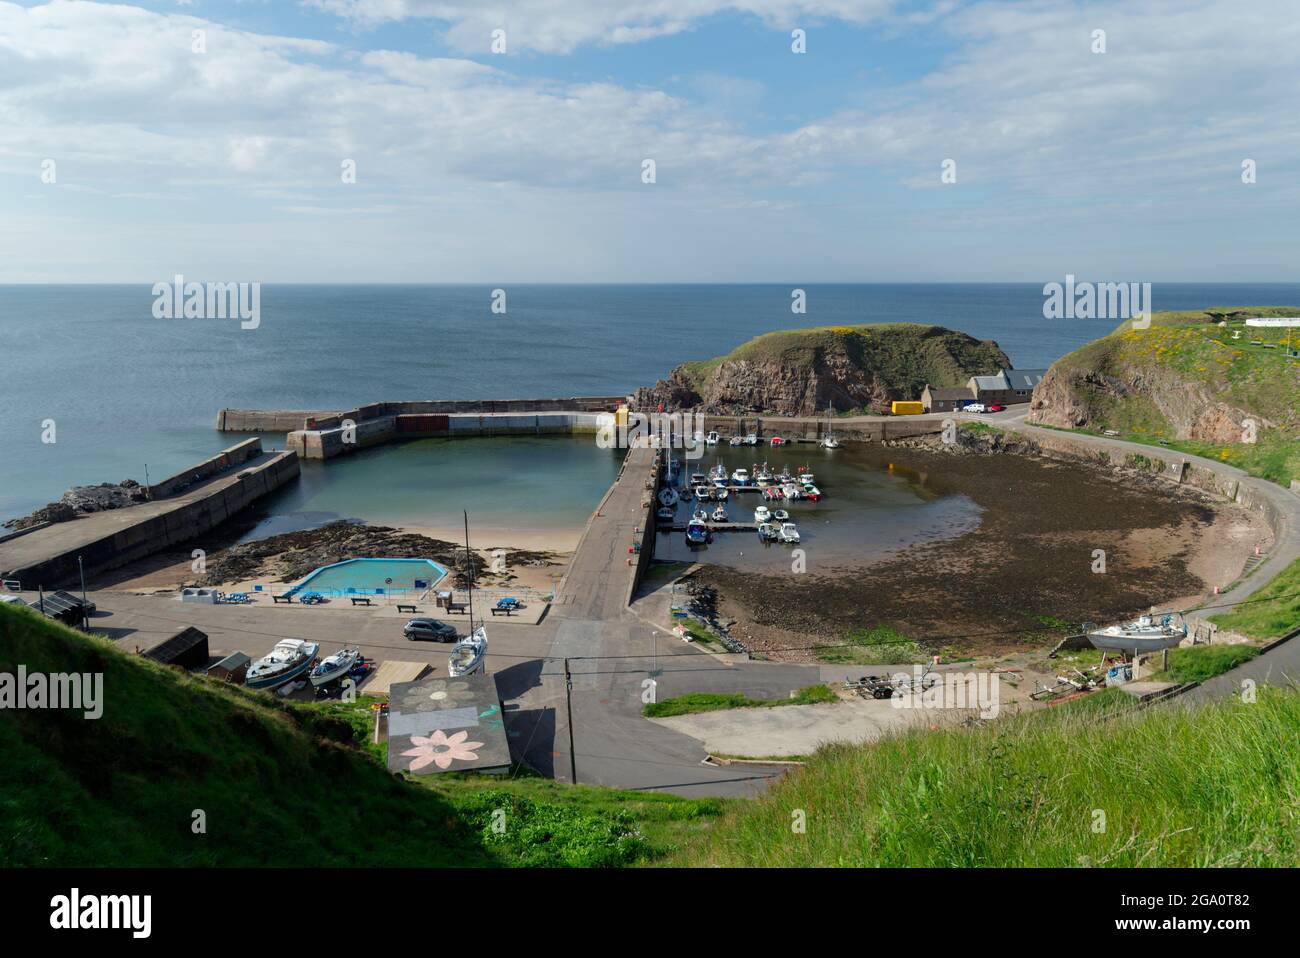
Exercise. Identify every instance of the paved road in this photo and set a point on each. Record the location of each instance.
(612, 652)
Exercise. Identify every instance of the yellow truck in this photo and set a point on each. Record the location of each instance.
(906, 409)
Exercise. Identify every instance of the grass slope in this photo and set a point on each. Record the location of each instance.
(1211, 785)
(280, 784)
(1185, 347)
(1271, 612)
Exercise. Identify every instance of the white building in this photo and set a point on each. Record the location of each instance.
(1274, 321)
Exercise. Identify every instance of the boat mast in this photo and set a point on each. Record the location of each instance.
(469, 573)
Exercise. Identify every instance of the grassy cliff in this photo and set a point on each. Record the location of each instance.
(850, 368)
(279, 784)
(1228, 392)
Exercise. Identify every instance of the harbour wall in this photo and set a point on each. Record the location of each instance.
(281, 420)
(161, 524)
(239, 453)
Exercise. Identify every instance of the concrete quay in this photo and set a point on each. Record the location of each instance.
(107, 540)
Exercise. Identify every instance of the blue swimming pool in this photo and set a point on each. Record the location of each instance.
(372, 577)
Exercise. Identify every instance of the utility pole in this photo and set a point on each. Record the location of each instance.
(568, 705)
(85, 620)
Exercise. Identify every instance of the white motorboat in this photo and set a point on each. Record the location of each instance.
(698, 479)
(335, 666)
(712, 439)
(721, 492)
(762, 475)
(780, 515)
(767, 532)
(806, 476)
(740, 477)
(735, 441)
(668, 496)
(751, 440)
(1144, 634)
(700, 515)
(666, 513)
(701, 492)
(788, 532)
(720, 514)
(761, 515)
(287, 661)
(830, 442)
(792, 490)
(718, 475)
(467, 655)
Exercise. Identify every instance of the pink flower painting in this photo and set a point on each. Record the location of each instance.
(441, 749)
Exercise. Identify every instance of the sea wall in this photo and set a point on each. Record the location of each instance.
(157, 530)
(648, 529)
(329, 441)
(239, 453)
(279, 420)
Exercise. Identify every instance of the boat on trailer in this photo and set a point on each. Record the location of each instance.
(287, 661)
(1146, 633)
(335, 666)
(468, 655)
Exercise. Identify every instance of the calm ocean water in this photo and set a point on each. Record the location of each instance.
(127, 391)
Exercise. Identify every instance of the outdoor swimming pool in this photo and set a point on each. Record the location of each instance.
(372, 577)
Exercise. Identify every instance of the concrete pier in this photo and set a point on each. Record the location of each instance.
(201, 498)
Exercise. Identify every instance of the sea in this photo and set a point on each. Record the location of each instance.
(123, 394)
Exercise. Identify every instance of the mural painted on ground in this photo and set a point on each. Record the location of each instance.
(446, 725)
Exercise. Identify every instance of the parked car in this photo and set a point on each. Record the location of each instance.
(429, 629)
(997, 407)
(974, 407)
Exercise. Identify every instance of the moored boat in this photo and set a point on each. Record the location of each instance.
(788, 532)
(812, 492)
(697, 533)
(767, 532)
(712, 439)
(668, 497)
(761, 515)
(720, 514)
(287, 661)
(666, 514)
(740, 477)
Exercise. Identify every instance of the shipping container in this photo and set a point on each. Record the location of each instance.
(907, 408)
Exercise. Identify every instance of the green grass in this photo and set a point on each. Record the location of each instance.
(1208, 785)
(1271, 612)
(1184, 353)
(1200, 662)
(880, 645)
(716, 701)
(279, 783)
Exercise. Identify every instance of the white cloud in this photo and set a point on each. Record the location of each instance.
(560, 26)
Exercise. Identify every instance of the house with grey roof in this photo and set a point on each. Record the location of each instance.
(1007, 387)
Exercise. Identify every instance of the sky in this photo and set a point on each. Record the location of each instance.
(216, 140)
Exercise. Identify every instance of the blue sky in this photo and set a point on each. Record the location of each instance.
(224, 162)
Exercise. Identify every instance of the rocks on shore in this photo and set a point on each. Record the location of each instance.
(292, 555)
(80, 500)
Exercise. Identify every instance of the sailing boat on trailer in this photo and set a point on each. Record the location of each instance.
(468, 655)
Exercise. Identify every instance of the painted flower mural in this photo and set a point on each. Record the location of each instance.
(438, 694)
(441, 749)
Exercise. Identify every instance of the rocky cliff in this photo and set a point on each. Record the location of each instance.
(802, 372)
(1184, 378)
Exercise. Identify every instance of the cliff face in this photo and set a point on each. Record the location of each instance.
(1180, 382)
(802, 372)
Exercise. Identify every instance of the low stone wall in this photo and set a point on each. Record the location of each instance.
(329, 442)
(814, 429)
(239, 453)
(279, 420)
(159, 531)
(649, 527)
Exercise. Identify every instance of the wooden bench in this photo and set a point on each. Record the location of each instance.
(495, 611)
(407, 608)
(281, 598)
(362, 600)
(454, 607)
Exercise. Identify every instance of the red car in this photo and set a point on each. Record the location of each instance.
(996, 407)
